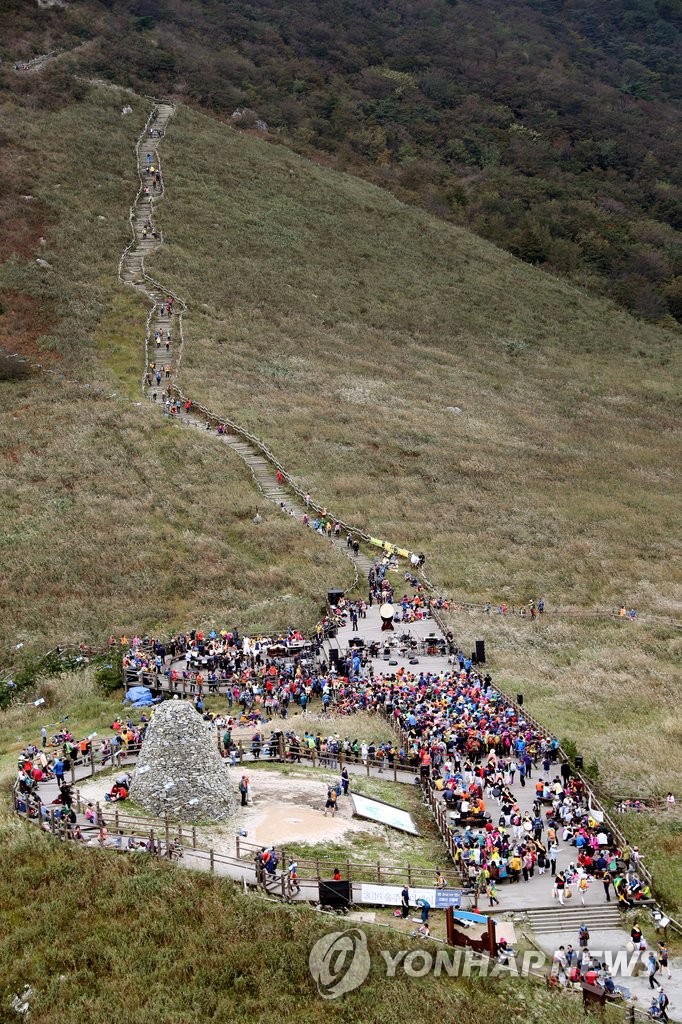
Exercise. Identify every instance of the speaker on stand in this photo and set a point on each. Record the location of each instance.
(480, 651)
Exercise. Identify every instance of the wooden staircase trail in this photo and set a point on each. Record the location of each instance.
(163, 350)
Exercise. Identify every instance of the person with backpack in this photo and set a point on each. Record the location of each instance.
(663, 1002)
(652, 970)
(583, 936)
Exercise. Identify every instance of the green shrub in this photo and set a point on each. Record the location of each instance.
(109, 674)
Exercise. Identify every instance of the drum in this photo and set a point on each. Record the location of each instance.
(386, 612)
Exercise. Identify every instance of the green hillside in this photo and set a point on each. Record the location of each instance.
(113, 521)
(346, 328)
(90, 930)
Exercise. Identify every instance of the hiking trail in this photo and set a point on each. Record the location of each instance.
(164, 342)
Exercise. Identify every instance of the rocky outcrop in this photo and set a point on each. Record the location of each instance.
(180, 770)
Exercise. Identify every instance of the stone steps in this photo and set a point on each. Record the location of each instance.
(569, 917)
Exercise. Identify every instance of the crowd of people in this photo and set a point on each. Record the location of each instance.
(54, 761)
(571, 966)
(511, 803)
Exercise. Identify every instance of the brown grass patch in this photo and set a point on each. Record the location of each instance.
(23, 319)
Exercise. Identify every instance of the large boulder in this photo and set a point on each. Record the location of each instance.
(180, 770)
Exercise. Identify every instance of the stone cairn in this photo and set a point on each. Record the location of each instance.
(180, 771)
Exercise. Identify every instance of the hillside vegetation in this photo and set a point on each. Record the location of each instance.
(550, 128)
(182, 946)
(422, 383)
(113, 521)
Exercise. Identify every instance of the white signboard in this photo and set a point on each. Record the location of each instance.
(389, 895)
(385, 814)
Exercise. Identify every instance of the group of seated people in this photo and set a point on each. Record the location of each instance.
(575, 967)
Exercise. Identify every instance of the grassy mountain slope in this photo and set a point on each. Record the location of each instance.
(88, 929)
(346, 327)
(112, 520)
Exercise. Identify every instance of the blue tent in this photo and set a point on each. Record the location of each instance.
(139, 697)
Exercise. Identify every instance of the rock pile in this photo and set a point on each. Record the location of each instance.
(180, 769)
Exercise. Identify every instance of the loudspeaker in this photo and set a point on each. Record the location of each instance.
(334, 658)
(334, 596)
(519, 699)
(480, 651)
(579, 762)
